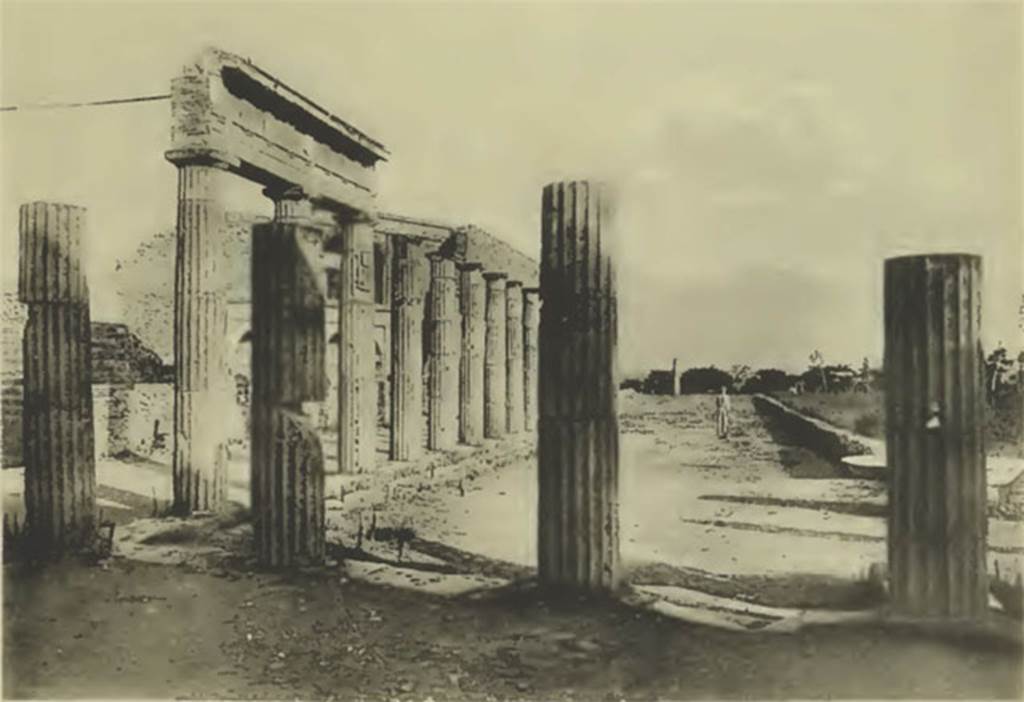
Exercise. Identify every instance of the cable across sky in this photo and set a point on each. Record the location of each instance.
(93, 103)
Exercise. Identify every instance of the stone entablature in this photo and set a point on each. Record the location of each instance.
(226, 111)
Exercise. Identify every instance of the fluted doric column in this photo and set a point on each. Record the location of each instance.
(495, 371)
(473, 303)
(445, 329)
(288, 371)
(409, 281)
(935, 448)
(578, 437)
(58, 440)
(202, 389)
(357, 377)
(514, 417)
(531, 329)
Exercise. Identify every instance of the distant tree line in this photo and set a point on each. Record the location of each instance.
(819, 377)
(1004, 377)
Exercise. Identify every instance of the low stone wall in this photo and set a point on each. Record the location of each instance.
(829, 442)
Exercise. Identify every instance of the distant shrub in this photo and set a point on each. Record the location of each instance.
(868, 424)
(702, 380)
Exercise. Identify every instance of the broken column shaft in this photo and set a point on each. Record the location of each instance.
(578, 435)
(357, 382)
(444, 347)
(514, 417)
(495, 372)
(473, 303)
(288, 369)
(202, 389)
(531, 322)
(60, 469)
(935, 449)
(409, 281)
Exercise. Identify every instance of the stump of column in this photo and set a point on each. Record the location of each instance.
(495, 372)
(531, 329)
(58, 440)
(202, 389)
(578, 434)
(935, 448)
(409, 281)
(444, 348)
(473, 303)
(357, 381)
(514, 412)
(288, 371)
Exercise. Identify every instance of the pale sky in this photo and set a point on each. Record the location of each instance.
(769, 156)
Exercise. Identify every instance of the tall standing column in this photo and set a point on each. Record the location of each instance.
(578, 438)
(288, 370)
(495, 378)
(357, 381)
(202, 389)
(60, 468)
(473, 303)
(935, 447)
(445, 329)
(514, 417)
(409, 280)
(531, 322)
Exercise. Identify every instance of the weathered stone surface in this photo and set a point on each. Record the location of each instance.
(495, 372)
(444, 348)
(409, 276)
(514, 388)
(287, 479)
(473, 305)
(531, 331)
(357, 384)
(229, 111)
(935, 447)
(578, 434)
(60, 469)
(202, 386)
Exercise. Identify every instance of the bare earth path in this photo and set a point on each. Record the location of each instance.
(157, 631)
(743, 507)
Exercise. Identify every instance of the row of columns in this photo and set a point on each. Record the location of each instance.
(475, 333)
(937, 520)
(477, 378)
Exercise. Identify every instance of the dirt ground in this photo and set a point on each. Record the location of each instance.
(137, 630)
(747, 518)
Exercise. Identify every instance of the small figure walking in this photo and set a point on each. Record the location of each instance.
(723, 407)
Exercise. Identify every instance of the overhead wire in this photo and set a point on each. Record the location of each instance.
(92, 103)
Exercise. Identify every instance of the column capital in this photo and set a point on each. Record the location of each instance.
(286, 191)
(438, 257)
(290, 203)
(531, 291)
(471, 266)
(202, 157)
(363, 217)
(494, 275)
(514, 283)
